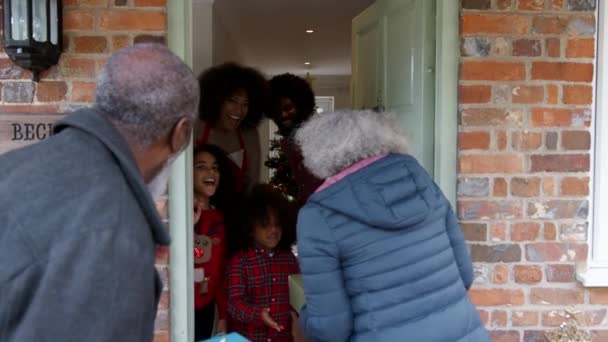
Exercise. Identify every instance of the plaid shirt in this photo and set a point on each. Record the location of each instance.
(258, 280)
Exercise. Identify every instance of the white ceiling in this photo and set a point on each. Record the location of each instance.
(270, 34)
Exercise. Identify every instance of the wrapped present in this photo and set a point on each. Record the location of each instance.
(296, 292)
(232, 337)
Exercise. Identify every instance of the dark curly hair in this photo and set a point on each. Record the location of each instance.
(295, 88)
(222, 81)
(262, 201)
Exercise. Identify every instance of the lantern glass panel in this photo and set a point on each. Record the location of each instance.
(39, 24)
(54, 22)
(19, 20)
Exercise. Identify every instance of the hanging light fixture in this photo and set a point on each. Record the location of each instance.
(32, 33)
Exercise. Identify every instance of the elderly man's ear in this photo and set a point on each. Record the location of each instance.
(180, 136)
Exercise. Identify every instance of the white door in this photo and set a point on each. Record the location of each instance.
(393, 61)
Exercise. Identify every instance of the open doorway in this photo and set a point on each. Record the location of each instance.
(206, 52)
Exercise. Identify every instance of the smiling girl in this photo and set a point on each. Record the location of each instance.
(211, 189)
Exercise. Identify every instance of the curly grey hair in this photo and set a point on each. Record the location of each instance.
(145, 89)
(331, 142)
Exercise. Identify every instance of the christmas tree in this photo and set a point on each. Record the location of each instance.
(282, 177)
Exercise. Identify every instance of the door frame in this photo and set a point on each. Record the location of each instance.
(179, 39)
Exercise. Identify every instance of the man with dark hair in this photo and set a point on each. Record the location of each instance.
(78, 226)
(292, 103)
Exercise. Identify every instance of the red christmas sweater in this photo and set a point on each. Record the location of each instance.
(210, 261)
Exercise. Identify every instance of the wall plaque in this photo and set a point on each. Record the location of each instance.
(18, 130)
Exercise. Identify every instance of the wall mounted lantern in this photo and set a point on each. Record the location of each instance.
(32, 33)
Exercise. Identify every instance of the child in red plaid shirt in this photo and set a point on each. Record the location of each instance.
(258, 289)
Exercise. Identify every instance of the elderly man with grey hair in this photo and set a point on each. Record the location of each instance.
(78, 226)
(381, 253)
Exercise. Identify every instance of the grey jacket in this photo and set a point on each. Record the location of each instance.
(78, 234)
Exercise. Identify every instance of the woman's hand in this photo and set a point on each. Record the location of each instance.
(267, 319)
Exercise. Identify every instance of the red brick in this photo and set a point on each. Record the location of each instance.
(499, 318)
(552, 94)
(578, 94)
(553, 318)
(162, 255)
(496, 297)
(580, 48)
(491, 117)
(526, 141)
(162, 337)
(560, 163)
(528, 94)
(560, 273)
(600, 335)
(150, 3)
(51, 91)
(525, 231)
(556, 296)
(78, 67)
(500, 253)
(504, 336)
(525, 187)
(526, 47)
(503, 163)
(162, 321)
(551, 251)
(78, 20)
(118, 20)
(475, 94)
(474, 231)
(531, 5)
(484, 315)
(549, 231)
(525, 274)
(558, 209)
(473, 23)
(96, 3)
(574, 186)
(562, 71)
(501, 140)
(475, 210)
(557, 4)
(120, 42)
(598, 295)
(83, 92)
(493, 71)
(551, 117)
(498, 232)
(503, 4)
(548, 186)
(550, 24)
(524, 318)
(29, 109)
(473, 140)
(501, 274)
(90, 44)
(553, 47)
(500, 187)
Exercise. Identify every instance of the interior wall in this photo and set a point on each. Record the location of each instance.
(337, 86)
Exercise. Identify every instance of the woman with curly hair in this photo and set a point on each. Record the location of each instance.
(233, 98)
(293, 102)
(381, 252)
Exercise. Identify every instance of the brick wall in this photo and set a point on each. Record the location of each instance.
(526, 91)
(92, 30)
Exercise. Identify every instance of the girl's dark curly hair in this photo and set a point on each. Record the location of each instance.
(262, 201)
(222, 81)
(295, 88)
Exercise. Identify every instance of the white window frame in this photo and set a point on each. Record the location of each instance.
(594, 273)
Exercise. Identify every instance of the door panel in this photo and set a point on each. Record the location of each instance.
(403, 80)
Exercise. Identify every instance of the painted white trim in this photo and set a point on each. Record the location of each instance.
(181, 291)
(447, 57)
(595, 271)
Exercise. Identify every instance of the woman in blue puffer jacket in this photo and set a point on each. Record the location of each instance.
(381, 253)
